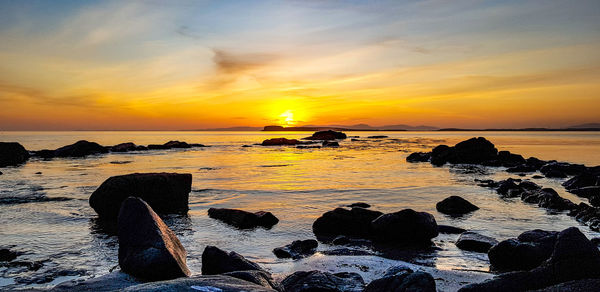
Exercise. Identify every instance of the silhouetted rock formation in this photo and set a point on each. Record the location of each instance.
(355, 222)
(455, 205)
(280, 142)
(472, 241)
(243, 219)
(326, 135)
(12, 153)
(377, 137)
(526, 252)
(216, 261)
(80, 149)
(147, 247)
(164, 192)
(123, 147)
(323, 281)
(402, 279)
(297, 249)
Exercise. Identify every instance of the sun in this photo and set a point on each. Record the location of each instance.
(287, 118)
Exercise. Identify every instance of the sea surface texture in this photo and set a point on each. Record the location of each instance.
(45, 215)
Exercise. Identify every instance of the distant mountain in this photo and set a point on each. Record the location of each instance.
(357, 127)
(586, 126)
(232, 129)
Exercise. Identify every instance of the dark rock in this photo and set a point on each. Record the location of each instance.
(80, 149)
(403, 279)
(261, 278)
(455, 205)
(341, 240)
(472, 241)
(194, 145)
(405, 227)
(359, 205)
(331, 144)
(586, 192)
(141, 148)
(315, 281)
(246, 146)
(203, 283)
(12, 153)
(280, 142)
(536, 163)
(7, 255)
(445, 229)
(585, 285)
(537, 176)
(177, 144)
(378, 137)
(308, 146)
(440, 155)
(243, 219)
(297, 249)
(418, 157)
(217, 261)
(115, 281)
(595, 200)
(555, 173)
(586, 179)
(147, 247)
(326, 135)
(123, 147)
(548, 198)
(348, 252)
(487, 183)
(595, 240)
(562, 167)
(474, 150)
(164, 192)
(508, 159)
(521, 168)
(587, 215)
(525, 253)
(355, 222)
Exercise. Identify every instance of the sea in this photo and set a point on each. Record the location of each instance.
(46, 217)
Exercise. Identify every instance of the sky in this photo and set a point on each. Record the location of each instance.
(178, 65)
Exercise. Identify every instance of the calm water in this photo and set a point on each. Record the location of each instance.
(297, 185)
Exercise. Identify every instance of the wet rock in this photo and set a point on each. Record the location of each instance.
(359, 205)
(595, 200)
(455, 205)
(587, 215)
(553, 169)
(526, 252)
(472, 241)
(243, 219)
(406, 227)
(123, 147)
(487, 183)
(297, 249)
(554, 173)
(378, 137)
(115, 281)
(521, 168)
(535, 162)
(280, 142)
(261, 278)
(12, 153)
(7, 255)
(473, 151)
(537, 176)
(203, 283)
(586, 192)
(164, 192)
(585, 285)
(217, 261)
(418, 157)
(348, 252)
(80, 149)
(574, 258)
(508, 159)
(586, 179)
(331, 144)
(177, 144)
(595, 240)
(402, 279)
(302, 281)
(308, 146)
(355, 222)
(45, 153)
(326, 135)
(141, 148)
(440, 154)
(148, 249)
(446, 229)
(548, 198)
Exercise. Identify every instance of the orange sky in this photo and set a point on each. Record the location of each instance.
(194, 65)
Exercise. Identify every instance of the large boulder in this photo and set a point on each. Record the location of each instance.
(455, 205)
(473, 151)
(217, 261)
(314, 281)
(80, 149)
(526, 252)
(164, 192)
(547, 198)
(297, 249)
(326, 135)
(148, 249)
(243, 219)
(355, 222)
(402, 279)
(201, 283)
(476, 242)
(582, 180)
(406, 227)
(12, 153)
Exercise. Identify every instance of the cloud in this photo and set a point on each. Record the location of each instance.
(230, 63)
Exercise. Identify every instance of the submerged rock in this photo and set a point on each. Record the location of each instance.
(418, 157)
(331, 144)
(355, 222)
(7, 255)
(217, 261)
(297, 249)
(314, 281)
(148, 249)
(472, 241)
(164, 192)
(402, 279)
(326, 135)
(455, 205)
(12, 153)
(80, 149)
(406, 227)
(243, 219)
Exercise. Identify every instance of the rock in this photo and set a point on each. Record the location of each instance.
(445, 229)
(455, 205)
(360, 205)
(555, 173)
(440, 154)
(418, 157)
(574, 258)
(123, 147)
(308, 146)
(12, 153)
(261, 278)
(164, 192)
(216, 261)
(377, 137)
(586, 179)
(403, 279)
(243, 219)
(472, 241)
(331, 144)
(7, 255)
(537, 176)
(355, 222)
(595, 200)
(586, 192)
(536, 163)
(521, 168)
(406, 227)
(552, 168)
(473, 151)
(585, 285)
(302, 281)
(525, 253)
(341, 240)
(203, 283)
(326, 135)
(194, 145)
(505, 186)
(595, 240)
(280, 142)
(148, 249)
(115, 281)
(177, 144)
(587, 215)
(80, 149)
(297, 249)
(548, 198)
(508, 159)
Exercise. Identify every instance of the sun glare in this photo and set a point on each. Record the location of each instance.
(287, 118)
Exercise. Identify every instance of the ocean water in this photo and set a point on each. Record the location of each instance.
(45, 215)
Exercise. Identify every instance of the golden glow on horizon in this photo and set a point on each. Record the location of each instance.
(287, 118)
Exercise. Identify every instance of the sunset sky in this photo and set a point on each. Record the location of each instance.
(168, 65)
